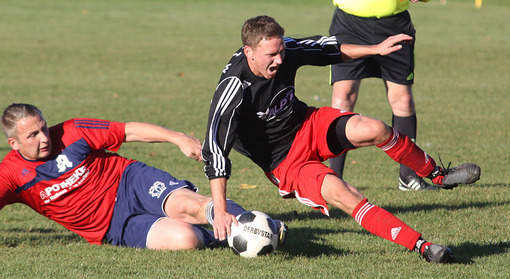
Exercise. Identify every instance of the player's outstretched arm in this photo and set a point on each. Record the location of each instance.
(147, 132)
(386, 47)
(222, 219)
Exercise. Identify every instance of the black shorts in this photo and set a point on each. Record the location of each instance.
(397, 67)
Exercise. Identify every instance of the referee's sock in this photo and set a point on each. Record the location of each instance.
(407, 126)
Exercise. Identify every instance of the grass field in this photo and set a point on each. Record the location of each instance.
(159, 61)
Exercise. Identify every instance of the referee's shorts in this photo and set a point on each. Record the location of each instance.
(397, 67)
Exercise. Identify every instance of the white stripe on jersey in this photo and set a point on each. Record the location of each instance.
(322, 41)
(233, 86)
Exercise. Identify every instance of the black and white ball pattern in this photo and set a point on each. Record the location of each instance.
(255, 235)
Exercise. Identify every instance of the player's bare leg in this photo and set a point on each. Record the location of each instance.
(171, 234)
(340, 194)
(365, 131)
(188, 206)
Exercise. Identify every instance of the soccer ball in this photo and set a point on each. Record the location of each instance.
(255, 235)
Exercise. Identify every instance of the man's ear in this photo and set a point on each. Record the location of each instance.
(248, 52)
(13, 143)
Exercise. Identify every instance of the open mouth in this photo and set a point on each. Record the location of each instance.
(272, 70)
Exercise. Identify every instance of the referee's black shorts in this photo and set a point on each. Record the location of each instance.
(397, 67)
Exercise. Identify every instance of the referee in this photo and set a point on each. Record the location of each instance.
(367, 22)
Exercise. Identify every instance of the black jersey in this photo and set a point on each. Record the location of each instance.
(259, 117)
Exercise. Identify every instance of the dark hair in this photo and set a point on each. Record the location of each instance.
(260, 27)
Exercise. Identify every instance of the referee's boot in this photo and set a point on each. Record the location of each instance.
(414, 183)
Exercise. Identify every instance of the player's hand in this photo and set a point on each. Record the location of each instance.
(191, 147)
(222, 223)
(393, 43)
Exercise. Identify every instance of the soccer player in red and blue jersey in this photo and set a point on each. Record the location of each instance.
(255, 111)
(70, 174)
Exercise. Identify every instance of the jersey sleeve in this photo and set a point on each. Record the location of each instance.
(99, 134)
(7, 195)
(222, 127)
(316, 50)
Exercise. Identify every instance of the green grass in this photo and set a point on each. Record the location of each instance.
(159, 62)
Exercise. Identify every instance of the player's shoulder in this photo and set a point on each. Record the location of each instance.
(84, 124)
(290, 43)
(8, 159)
(235, 66)
(12, 164)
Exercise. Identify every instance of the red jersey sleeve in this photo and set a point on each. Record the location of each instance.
(7, 195)
(99, 134)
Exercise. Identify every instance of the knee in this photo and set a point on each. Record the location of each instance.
(379, 130)
(344, 96)
(340, 194)
(188, 240)
(174, 235)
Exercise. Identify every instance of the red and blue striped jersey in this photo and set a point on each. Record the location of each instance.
(77, 184)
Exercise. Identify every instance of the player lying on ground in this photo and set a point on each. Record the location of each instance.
(255, 111)
(65, 173)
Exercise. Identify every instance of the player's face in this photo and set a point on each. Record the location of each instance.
(33, 141)
(265, 59)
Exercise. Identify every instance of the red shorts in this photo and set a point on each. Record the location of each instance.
(301, 173)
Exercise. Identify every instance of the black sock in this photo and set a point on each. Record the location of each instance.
(337, 164)
(407, 126)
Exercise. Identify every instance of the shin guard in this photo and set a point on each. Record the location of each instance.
(384, 224)
(403, 150)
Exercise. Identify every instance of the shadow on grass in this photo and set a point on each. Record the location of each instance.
(305, 242)
(36, 236)
(311, 214)
(467, 252)
(454, 207)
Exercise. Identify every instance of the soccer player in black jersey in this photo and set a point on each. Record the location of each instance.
(255, 111)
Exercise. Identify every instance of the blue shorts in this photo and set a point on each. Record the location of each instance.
(140, 203)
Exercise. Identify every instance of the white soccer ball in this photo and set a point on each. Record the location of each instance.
(255, 235)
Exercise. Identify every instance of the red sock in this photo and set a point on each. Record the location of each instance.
(421, 245)
(403, 150)
(384, 224)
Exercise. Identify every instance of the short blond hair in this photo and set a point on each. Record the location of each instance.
(14, 113)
